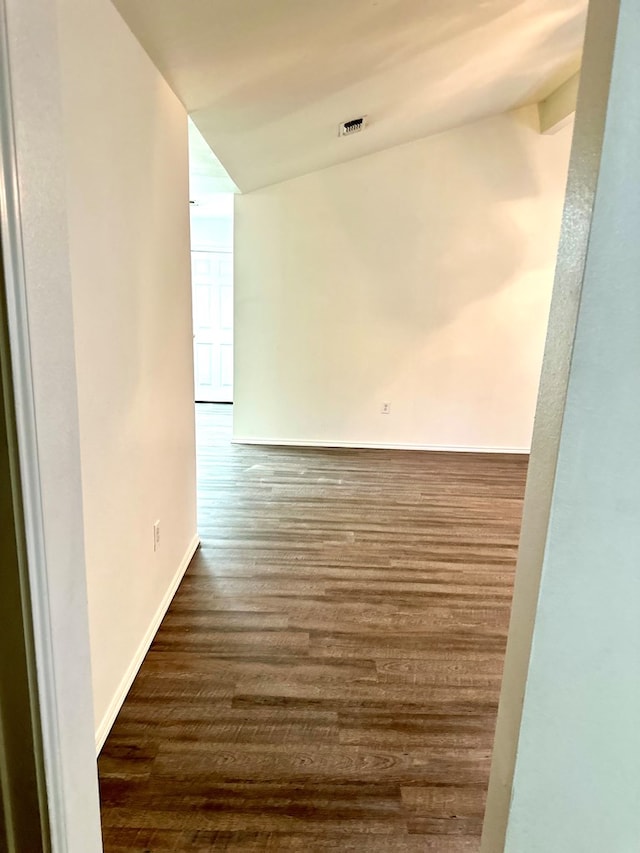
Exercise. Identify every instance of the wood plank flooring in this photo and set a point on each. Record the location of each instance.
(327, 676)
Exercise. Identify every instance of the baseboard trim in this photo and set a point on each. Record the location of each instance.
(125, 685)
(366, 445)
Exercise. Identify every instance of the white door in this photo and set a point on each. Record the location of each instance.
(212, 277)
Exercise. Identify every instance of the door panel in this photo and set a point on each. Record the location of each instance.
(212, 276)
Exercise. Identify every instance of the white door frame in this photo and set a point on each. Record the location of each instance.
(34, 234)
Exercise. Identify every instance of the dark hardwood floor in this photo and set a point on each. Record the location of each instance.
(327, 676)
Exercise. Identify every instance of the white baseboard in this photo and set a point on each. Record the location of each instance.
(366, 445)
(125, 685)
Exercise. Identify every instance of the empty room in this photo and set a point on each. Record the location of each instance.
(300, 325)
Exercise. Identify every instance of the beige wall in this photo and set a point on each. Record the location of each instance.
(420, 276)
(126, 147)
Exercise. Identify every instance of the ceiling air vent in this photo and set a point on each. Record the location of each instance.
(354, 125)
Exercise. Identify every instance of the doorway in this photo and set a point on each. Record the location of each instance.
(211, 197)
(212, 284)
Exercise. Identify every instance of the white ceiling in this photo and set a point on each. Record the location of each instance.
(207, 175)
(267, 82)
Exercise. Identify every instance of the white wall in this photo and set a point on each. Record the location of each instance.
(582, 184)
(46, 380)
(212, 223)
(420, 275)
(576, 786)
(126, 138)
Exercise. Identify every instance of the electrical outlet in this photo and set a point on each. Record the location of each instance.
(156, 535)
(385, 409)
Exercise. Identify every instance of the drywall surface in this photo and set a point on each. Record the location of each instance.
(267, 83)
(418, 276)
(559, 107)
(56, 569)
(576, 786)
(126, 146)
(582, 184)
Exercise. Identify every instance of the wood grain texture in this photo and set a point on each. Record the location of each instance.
(328, 674)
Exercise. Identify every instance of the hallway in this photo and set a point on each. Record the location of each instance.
(328, 674)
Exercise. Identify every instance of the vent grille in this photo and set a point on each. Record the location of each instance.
(354, 125)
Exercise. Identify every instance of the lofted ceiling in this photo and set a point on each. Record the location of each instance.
(207, 175)
(267, 82)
